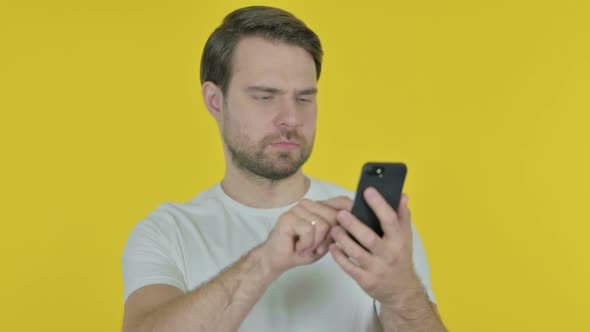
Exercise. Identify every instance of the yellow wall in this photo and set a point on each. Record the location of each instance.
(486, 101)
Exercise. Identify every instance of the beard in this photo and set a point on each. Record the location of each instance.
(255, 158)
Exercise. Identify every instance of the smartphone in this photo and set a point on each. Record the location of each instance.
(388, 179)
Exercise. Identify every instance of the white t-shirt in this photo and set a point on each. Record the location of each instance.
(185, 245)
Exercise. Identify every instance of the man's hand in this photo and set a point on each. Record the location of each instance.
(385, 268)
(301, 235)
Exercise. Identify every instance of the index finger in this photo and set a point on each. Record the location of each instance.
(339, 203)
(327, 212)
(384, 212)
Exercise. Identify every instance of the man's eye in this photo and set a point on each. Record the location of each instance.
(264, 97)
(303, 100)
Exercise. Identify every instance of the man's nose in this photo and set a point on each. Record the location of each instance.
(288, 113)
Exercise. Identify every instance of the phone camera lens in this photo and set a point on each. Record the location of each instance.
(375, 171)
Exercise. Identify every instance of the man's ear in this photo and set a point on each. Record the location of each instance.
(213, 98)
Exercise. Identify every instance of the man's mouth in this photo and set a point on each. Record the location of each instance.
(285, 145)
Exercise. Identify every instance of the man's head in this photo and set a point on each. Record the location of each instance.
(259, 72)
(266, 22)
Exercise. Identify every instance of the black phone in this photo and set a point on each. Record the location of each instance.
(388, 179)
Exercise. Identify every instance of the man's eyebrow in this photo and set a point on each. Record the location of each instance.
(310, 91)
(268, 89)
(262, 88)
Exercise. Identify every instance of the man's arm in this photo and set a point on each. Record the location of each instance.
(219, 305)
(413, 312)
(299, 237)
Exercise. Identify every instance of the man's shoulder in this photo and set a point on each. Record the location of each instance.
(170, 214)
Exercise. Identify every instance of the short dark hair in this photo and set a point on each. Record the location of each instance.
(267, 22)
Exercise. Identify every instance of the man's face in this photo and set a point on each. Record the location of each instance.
(270, 108)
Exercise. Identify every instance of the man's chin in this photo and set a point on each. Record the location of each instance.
(282, 168)
(282, 164)
(289, 168)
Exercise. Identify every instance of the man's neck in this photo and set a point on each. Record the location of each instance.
(258, 192)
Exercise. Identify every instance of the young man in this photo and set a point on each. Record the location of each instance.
(251, 253)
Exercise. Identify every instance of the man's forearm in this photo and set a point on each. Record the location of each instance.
(220, 305)
(412, 313)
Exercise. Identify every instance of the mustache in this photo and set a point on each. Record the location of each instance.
(284, 134)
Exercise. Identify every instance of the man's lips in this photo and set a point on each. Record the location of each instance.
(285, 145)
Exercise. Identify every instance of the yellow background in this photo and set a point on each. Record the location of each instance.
(486, 101)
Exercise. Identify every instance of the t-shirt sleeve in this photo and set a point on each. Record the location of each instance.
(421, 263)
(148, 259)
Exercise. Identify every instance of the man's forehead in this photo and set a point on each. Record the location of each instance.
(263, 63)
(257, 52)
